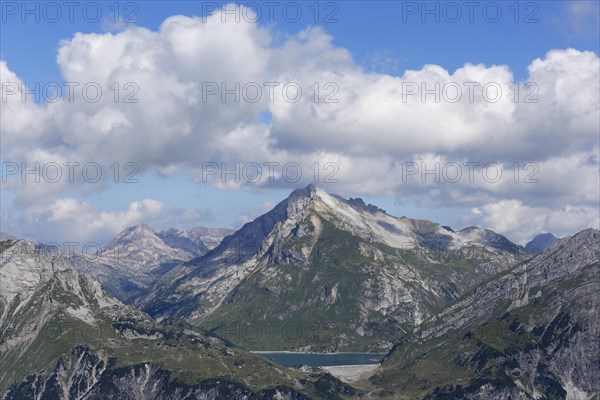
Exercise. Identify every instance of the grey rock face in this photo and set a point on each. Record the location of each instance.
(541, 243)
(83, 374)
(130, 262)
(197, 241)
(530, 332)
(293, 265)
(138, 255)
(63, 337)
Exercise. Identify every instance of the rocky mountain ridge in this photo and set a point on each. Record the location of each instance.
(62, 336)
(530, 332)
(137, 256)
(366, 274)
(197, 240)
(464, 313)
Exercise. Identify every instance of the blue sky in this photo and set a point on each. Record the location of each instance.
(369, 28)
(384, 39)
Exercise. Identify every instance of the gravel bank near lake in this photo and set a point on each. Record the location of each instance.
(352, 373)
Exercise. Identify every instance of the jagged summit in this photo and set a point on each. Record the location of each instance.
(139, 228)
(366, 221)
(7, 236)
(299, 199)
(541, 242)
(308, 192)
(143, 246)
(487, 237)
(134, 232)
(312, 193)
(360, 204)
(131, 261)
(309, 189)
(140, 235)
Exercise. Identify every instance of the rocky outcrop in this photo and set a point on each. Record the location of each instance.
(63, 337)
(530, 332)
(85, 375)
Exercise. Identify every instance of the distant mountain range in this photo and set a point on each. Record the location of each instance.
(63, 337)
(541, 243)
(358, 276)
(138, 255)
(461, 313)
(197, 241)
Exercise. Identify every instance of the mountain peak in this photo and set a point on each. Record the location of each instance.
(311, 187)
(139, 228)
(361, 205)
(140, 237)
(541, 242)
(300, 198)
(309, 192)
(133, 233)
(7, 236)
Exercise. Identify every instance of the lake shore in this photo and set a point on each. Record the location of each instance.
(294, 359)
(312, 352)
(352, 373)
